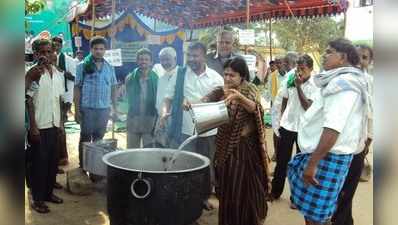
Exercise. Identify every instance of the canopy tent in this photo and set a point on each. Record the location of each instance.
(129, 33)
(194, 14)
(198, 14)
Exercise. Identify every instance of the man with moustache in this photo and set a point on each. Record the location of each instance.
(330, 132)
(192, 83)
(67, 65)
(225, 41)
(95, 94)
(297, 98)
(168, 61)
(141, 88)
(343, 214)
(43, 104)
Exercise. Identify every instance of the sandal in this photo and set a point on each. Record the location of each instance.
(55, 199)
(40, 207)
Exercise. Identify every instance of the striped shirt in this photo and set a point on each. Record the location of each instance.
(96, 87)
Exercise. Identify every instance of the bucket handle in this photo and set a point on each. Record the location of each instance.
(147, 182)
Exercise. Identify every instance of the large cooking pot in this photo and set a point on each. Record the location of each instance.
(93, 153)
(141, 192)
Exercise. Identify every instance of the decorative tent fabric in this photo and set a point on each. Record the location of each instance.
(194, 14)
(129, 30)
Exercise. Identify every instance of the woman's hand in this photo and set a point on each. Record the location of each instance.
(232, 96)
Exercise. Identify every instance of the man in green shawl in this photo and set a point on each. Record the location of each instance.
(141, 88)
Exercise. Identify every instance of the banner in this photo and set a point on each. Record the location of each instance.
(78, 41)
(129, 49)
(154, 39)
(246, 37)
(251, 62)
(114, 57)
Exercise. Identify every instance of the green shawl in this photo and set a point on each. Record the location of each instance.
(88, 64)
(133, 89)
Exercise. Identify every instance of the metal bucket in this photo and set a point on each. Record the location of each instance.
(207, 116)
(93, 153)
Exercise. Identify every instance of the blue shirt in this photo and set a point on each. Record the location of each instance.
(96, 88)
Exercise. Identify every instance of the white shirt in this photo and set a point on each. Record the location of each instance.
(369, 81)
(277, 104)
(342, 112)
(276, 109)
(70, 65)
(291, 115)
(195, 88)
(163, 82)
(46, 99)
(158, 69)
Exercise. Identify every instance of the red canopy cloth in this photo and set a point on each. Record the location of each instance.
(194, 14)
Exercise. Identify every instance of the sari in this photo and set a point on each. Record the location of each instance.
(241, 162)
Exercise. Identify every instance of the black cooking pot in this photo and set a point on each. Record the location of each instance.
(141, 192)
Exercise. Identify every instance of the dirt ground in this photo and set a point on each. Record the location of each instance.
(91, 210)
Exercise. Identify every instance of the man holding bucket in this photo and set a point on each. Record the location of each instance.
(192, 83)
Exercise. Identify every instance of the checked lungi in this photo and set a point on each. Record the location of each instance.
(318, 203)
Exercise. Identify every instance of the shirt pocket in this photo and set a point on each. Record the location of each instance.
(90, 78)
(105, 79)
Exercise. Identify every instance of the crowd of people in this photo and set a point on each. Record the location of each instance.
(327, 116)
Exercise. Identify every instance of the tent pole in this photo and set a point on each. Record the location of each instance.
(247, 18)
(113, 33)
(247, 13)
(93, 18)
(270, 38)
(77, 28)
(345, 23)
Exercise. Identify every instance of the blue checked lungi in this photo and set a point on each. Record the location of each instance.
(318, 203)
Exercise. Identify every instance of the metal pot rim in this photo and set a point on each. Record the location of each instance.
(106, 158)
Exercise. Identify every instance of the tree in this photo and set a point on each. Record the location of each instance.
(300, 34)
(307, 34)
(34, 6)
(208, 36)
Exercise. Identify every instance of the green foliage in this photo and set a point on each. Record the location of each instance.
(35, 6)
(307, 34)
(365, 42)
(208, 36)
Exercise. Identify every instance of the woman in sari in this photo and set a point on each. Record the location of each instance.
(241, 160)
